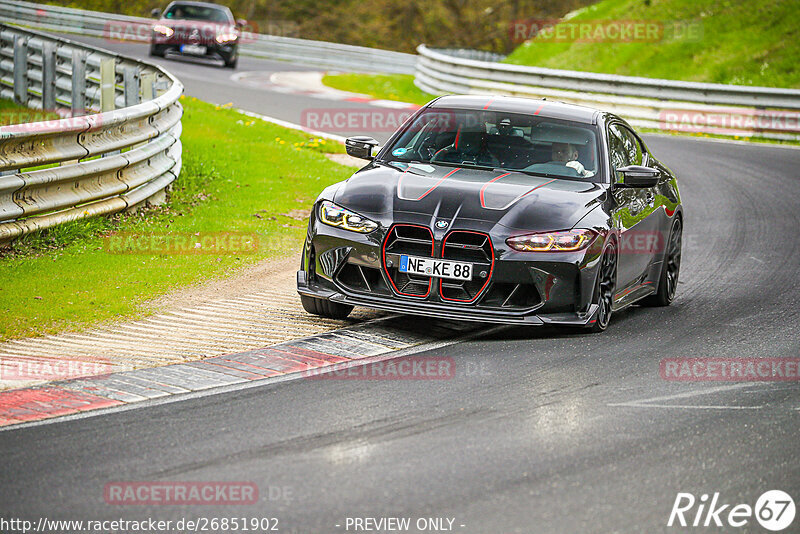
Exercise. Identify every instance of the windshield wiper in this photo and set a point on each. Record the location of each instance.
(535, 173)
(464, 165)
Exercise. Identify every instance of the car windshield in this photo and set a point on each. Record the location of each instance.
(500, 140)
(194, 12)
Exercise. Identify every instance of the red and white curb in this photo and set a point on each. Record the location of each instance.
(375, 340)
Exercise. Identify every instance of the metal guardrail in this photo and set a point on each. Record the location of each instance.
(117, 147)
(645, 102)
(301, 51)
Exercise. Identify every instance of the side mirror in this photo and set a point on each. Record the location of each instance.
(360, 146)
(156, 13)
(241, 23)
(637, 176)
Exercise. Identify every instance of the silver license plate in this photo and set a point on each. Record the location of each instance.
(196, 50)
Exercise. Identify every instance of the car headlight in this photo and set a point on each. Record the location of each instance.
(333, 215)
(226, 37)
(565, 241)
(166, 31)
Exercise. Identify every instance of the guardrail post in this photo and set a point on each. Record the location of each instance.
(21, 70)
(130, 79)
(48, 76)
(108, 79)
(148, 86)
(78, 82)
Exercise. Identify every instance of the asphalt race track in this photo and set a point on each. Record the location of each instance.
(540, 430)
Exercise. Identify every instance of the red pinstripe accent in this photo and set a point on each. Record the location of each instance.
(538, 110)
(483, 204)
(632, 289)
(488, 103)
(458, 134)
(534, 189)
(442, 179)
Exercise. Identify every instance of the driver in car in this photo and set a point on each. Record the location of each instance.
(468, 147)
(567, 154)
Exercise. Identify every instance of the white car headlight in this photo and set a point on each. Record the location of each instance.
(226, 37)
(166, 31)
(565, 241)
(333, 215)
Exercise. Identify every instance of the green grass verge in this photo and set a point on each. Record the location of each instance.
(399, 87)
(745, 43)
(239, 175)
(11, 113)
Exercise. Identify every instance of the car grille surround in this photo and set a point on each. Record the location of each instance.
(472, 247)
(413, 240)
(458, 245)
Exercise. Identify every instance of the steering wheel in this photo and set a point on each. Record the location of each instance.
(478, 159)
(554, 167)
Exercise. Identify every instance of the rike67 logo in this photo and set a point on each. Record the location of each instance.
(774, 511)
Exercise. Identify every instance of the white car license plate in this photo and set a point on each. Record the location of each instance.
(193, 49)
(455, 270)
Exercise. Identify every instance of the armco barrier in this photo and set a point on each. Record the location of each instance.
(117, 146)
(645, 102)
(302, 51)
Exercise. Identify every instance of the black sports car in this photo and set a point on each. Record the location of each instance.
(498, 209)
(197, 29)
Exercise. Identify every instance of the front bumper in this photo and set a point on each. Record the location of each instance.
(214, 50)
(446, 311)
(519, 288)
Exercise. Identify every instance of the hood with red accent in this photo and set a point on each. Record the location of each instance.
(515, 200)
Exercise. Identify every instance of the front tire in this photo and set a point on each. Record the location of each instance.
(604, 289)
(325, 308)
(668, 281)
(232, 62)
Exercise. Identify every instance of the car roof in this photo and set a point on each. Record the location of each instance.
(516, 104)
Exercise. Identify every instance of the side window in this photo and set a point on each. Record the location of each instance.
(630, 144)
(620, 156)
